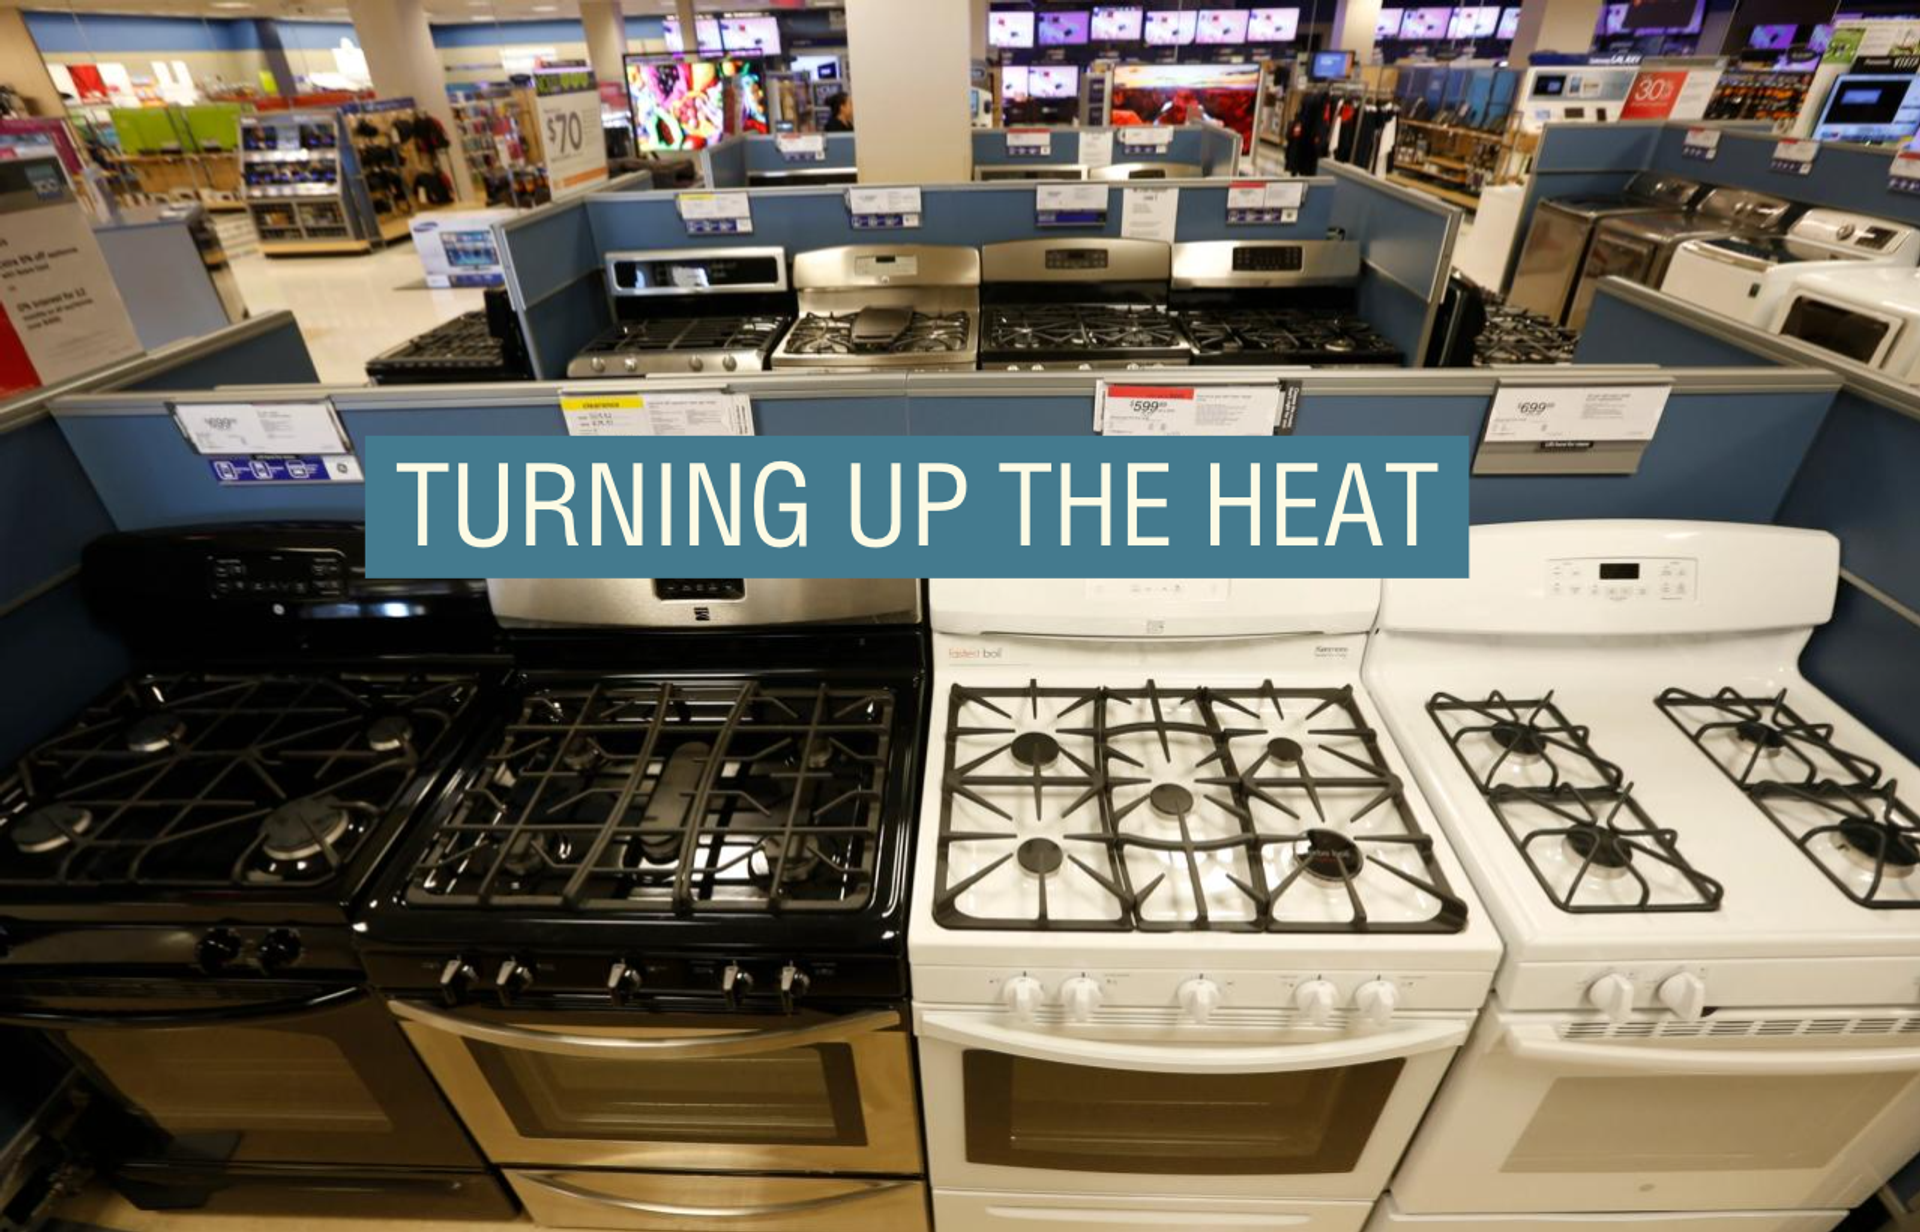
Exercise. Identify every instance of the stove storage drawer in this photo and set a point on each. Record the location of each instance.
(692, 1202)
(974, 1211)
(1388, 1217)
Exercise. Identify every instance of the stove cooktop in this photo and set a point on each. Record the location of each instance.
(463, 349)
(661, 345)
(913, 337)
(1021, 334)
(1151, 809)
(1326, 338)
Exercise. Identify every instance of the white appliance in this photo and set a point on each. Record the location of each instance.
(1747, 276)
(1153, 813)
(1701, 871)
(1868, 315)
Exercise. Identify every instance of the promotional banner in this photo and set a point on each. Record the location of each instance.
(61, 313)
(567, 103)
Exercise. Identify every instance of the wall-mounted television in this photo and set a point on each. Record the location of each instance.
(1387, 25)
(1117, 25)
(1171, 29)
(1183, 93)
(1053, 81)
(751, 36)
(1669, 15)
(820, 68)
(706, 35)
(1475, 22)
(1821, 36)
(1424, 23)
(1005, 29)
(1509, 24)
(1063, 29)
(1772, 37)
(1870, 108)
(681, 104)
(1221, 27)
(1330, 66)
(1273, 25)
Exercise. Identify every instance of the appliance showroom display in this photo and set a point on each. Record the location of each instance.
(690, 310)
(1639, 247)
(1556, 245)
(1703, 870)
(483, 345)
(177, 864)
(1078, 304)
(884, 308)
(1868, 315)
(649, 936)
(1747, 277)
(1275, 302)
(1187, 947)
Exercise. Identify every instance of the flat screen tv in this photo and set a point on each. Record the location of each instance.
(1064, 29)
(1870, 108)
(1171, 29)
(1669, 16)
(1006, 29)
(1221, 27)
(1117, 25)
(1509, 24)
(1821, 36)
(1330, 65)
(1387, 25)
(1473, 23)
(1053, 81)
(1173, 94)
(1424, 23)
(681, 104)
(1273, 25)
(706, 34)
(750, 36)
(820, 68)
(1772, 37)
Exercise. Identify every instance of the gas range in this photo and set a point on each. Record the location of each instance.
(880, 308)
(1078, 303)
(1274, 302)
(680, 311)
(1516, 336)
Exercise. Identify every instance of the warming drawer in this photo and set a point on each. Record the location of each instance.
(694, 1202)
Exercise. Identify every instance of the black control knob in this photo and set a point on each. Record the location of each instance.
(219, 948)
(793, 983)
(456, 980)
(280, 948)
(514, 978)
(623, 980)
(735, 984)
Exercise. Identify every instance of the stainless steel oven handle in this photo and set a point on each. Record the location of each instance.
(256, 1011)
(567, 1189)
(687, 1047)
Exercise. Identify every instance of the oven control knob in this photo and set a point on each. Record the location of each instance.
(456, 980)
(696, 363)
(513, 978)
(280, 948)
(1199, 998)
(1612, 995)
(630, 364)
(1685, 994)
(730, 363)
(1080, 996)
(1376, 1000)
(793, 983)
(1022, 995)
(735, 984)
(623, 980)
(218, 948)
(597, 364)
(1314, 999)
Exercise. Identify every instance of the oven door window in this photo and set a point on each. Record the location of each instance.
(1028, 1113)
(800, 1096)
(1851, 334)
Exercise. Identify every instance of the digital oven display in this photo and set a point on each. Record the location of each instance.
(1611, 571)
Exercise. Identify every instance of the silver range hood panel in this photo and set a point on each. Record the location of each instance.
(1265, 263)
(1076, 260)
(702, 603)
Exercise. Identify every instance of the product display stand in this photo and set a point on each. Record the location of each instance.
(502, 143)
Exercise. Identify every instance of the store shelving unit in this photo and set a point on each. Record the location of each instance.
(1453, 162)
(333, 181)
(501, 139)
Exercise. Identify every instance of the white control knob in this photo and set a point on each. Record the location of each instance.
(1685, 994)
(1612, 995)
(1081, 996)
(1022, 995)
(1376, 1000)
(1314, 999)
(1199, 998)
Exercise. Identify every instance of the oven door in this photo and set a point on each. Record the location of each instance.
(1732, 1113)
(1286, 1111)
(1856, 333)
(809, 1092)
(262, 1074)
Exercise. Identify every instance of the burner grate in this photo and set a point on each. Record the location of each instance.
(1571, 812)
(1329, 336)
(1237, 809)
(1089, 328)
(832, 334)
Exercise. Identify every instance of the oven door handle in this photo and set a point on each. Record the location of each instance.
(969, 1031)
(1541, 1042)
(579, 1193)
(258, 1011)
(688, 1047)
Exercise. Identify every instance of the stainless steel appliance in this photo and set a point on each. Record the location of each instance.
(682, 311)
(1145, 171)
(650, 941)
(1556, 245)
(1078, 303)
(1638, 247)
(1280, 302)
(884, 308)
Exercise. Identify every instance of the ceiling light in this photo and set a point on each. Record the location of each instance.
(232, 4)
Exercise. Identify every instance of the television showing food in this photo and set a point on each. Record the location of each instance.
(1005, 29)
(1172, 94)
(1424, 23)
(1387, 25)
(1273, 25)
(1118, 25)
(1218, 27)
(1473, 23)
(1063, 29)
(750, 35)
(683, 104)
(1171, 29)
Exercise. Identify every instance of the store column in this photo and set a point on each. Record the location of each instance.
(1354, 23)
(404, 64)
(910, 80)
(1554, 25)
(606, 27)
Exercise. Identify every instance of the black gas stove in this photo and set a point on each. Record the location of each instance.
(1078, 303)
(1322, 337)
(483, 345)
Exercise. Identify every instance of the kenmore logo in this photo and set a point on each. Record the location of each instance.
(703, 613)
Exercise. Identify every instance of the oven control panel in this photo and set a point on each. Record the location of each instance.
(695, 590)
(1667, 579)
(277, 575)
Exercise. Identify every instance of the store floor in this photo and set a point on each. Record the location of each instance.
(349, 308)
(100, 1210)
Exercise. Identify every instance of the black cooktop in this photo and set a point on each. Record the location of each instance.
(1070, 333)
(1323, 337)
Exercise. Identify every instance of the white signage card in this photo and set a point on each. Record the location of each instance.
(679, 413)
(57, 294)
(1096, 149)
(1548, 415)
(1196, 410)
(1701, 143)
(1903, 171)
(1695, 93)
(709, 213)
(1029, 142)
(1070, 205)
(1149, 213)
(229, 428)
(802, 147)
(1795, 155)
(572, 140)
(884, 207)
(1145, 137)
(1265, 201)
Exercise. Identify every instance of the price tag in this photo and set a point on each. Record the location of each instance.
(310, 468)
(883, 208)
(1197, 410)
(716, 213)
(1096, 149)
(1070, 205)
(1145, 138)
(1559, 417)
(802, 147)
(1794, 155)
(1903, 173)
(571, 138)
(1701, 143)
(680, 413)
(1029, 143)
(1149, 213)
(1255, 202)
(277, 428)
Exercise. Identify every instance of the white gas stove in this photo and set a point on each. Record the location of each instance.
(1185, 940)
(1702, 867)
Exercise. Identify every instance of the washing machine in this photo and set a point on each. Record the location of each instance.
(1563, 227)
(1747, 276)
(1640, 247)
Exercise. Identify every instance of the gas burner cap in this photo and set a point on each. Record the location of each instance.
(1170, 800)
(389, 732)
(155, 732)
(1520, 739)
(1036, 749)
(1873, 845)
(1280, 748)
(1330, 855)
(802, 859)
(45, 830)
(1040, 856)
(1770, 739)
(580, 754)
(1603, 851)
(301, 829)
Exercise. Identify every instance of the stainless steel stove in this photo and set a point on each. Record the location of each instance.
(884, 308)
(1275, 302)
(1078, 303)
(668, 323)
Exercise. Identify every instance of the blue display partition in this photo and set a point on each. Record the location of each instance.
(1210, 147)
(740, 161)
(50, 650)
(1406, 248)
(1857, 481)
